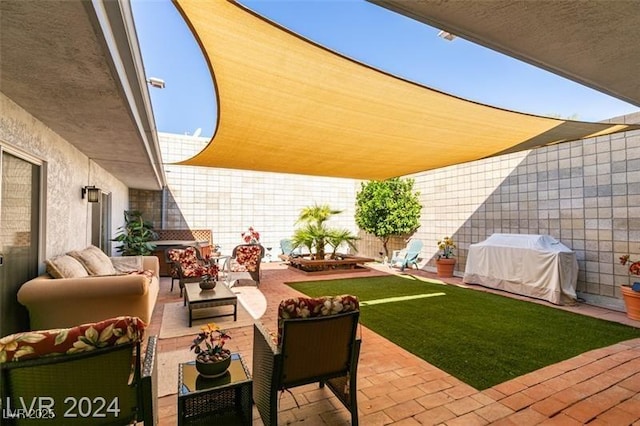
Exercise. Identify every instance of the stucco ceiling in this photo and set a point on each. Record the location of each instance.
(595, 43)
(56, 64)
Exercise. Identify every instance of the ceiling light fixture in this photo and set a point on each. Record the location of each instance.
(446, 35)
(158, 83)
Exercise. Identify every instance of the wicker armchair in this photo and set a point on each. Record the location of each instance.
(188, 266)
(172, 268)
(109, 385)
(316, 342)
(247, 258)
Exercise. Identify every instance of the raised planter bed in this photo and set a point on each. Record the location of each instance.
(329, 266)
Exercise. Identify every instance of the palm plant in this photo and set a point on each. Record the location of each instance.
(317, 214)
(337, 237)
(315, 234)
(307, 236)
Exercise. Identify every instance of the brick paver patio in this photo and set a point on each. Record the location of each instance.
(601, 387)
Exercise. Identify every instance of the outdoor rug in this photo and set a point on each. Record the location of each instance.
(175, 322)
(168, 369)
(175, 318)
(481, 338)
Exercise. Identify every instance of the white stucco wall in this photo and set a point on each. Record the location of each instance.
(66, 171)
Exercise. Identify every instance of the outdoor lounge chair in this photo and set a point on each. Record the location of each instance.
(246, 258)
(318, 346)
(407, 256)
(286, 246)
(69, 381)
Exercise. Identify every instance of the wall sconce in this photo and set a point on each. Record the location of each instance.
(92, 193)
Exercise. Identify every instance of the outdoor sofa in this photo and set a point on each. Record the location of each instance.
(126, 286)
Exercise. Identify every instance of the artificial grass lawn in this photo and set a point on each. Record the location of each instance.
(482, 339)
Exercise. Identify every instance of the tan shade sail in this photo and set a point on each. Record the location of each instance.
(288, 105)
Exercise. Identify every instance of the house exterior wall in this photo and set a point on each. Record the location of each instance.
(66, 170)
(229, 201)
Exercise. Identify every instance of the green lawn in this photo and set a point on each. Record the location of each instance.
(481, 338)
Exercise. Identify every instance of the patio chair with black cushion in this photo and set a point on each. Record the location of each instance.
(316, 342)
(189, 266)
(92, 374)
(246, 258)
(407, 256)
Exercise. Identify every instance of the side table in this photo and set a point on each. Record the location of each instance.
(222, 400)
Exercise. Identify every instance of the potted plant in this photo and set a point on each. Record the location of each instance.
(213, 359)
(136, 235)
(445, 261)
(631, 294)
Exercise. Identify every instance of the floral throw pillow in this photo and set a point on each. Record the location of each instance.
(148, 273)
(82, 338)
(308, 307)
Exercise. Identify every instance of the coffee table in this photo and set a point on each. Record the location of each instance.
(197, 298)
(222, 400)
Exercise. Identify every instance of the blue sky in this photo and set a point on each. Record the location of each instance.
(372, 35)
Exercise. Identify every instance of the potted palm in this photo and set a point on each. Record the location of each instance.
(317, 238)
(445, 261)
(631, 293)
(315, 235)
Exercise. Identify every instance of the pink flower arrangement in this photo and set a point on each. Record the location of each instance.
(251, 236)
(634, 266)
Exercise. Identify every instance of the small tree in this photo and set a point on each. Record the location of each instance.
(387, 208)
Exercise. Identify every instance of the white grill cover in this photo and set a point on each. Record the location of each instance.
(532, 265)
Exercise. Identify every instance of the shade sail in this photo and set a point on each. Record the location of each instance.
(291, 106)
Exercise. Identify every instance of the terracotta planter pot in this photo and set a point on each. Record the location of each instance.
(445, 267)
(631, 301)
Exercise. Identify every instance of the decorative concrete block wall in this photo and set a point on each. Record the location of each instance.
(229, 201)
(586, 194)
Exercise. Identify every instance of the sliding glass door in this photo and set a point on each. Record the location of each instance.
(19, 235)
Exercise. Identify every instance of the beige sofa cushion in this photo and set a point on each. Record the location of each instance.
(94, 261)
(65, 266)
